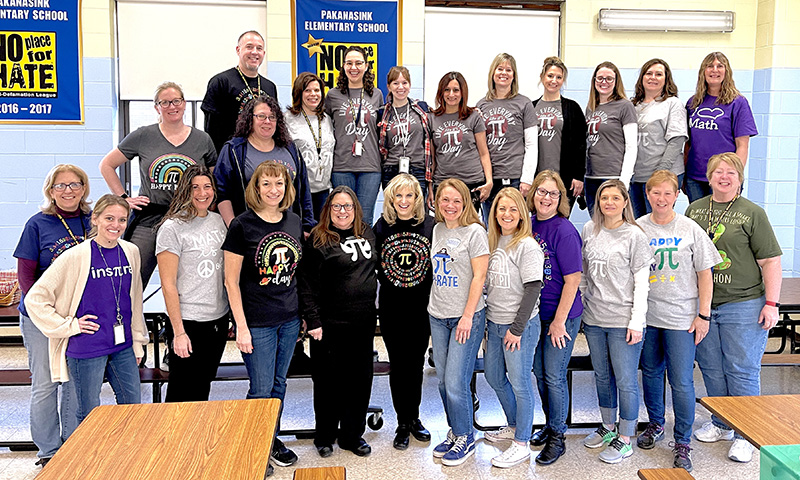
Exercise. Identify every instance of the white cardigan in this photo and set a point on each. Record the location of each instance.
(53, 301)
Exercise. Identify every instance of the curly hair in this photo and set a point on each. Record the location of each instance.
(369, 76)
(669, 90)
(181, 207)
(244, 124)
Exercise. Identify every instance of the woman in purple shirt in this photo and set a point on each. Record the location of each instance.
(560, 307)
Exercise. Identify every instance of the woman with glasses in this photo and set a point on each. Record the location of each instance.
(560, 308)
(662, 130)
(261, 134)
(353, 106)
(63, 222)
(459, 141)
(165, 150)
(338, 286)
(612, 132)
(562, 130)
(720, 120)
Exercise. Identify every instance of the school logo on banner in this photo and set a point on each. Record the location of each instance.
(324, 29)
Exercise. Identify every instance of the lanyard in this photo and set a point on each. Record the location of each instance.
(712, 227)
(352, 107)
(258, 79)
(117, 293)
(69, 230)
(403, 126)
(317, 139)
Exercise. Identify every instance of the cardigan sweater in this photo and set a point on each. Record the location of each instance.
(573, 142)
(54, 299)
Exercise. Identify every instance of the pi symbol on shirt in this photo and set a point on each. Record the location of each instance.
(353, 245)
(599, 268)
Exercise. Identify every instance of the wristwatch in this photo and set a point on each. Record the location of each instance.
(124, 195)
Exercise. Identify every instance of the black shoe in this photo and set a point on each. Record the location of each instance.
(419, 431)
(325, 451)
(43, 461)
(270, 470)
(401, 439)
(553, 449)
(540, 437)
(360, 448)
(282, 456)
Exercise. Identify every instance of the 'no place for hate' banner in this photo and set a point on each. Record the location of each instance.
(40, 61)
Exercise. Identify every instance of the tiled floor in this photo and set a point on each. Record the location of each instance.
(710, 460)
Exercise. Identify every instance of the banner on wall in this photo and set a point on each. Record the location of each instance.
(40, 62)
(324, 29)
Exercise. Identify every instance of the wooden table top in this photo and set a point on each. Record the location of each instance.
(664, 474)
(229, 439)
(762, 420)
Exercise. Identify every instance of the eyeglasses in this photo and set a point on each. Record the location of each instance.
(544, 193)
(60, 187)
(337, 207)
(166, 103)
(261, 117)
(604, 79)
(357, 63)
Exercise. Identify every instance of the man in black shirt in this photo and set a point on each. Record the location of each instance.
(228, 91)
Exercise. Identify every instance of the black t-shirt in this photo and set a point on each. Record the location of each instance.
(405, 262)
(271, 254)
(226, 95)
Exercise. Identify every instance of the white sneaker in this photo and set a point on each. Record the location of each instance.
(741, 451)
(505, 433)
(514, 455)
(710, 433)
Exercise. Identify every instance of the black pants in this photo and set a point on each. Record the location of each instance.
(342, 373)
(190, 378)
(406, 332)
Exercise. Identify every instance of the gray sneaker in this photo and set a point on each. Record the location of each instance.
(653, 433)
(599, 437)
(682, 456)
(616, 451)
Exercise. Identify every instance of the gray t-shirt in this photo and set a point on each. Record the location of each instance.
(605, 142)
(506, 120)
(451, 254)
(343, 110)
(551, 123)
(161, 164)
(658, 122)
(200, 267)
(610, 259)
(681, 249)
(318, 165)
(404, 137)
(508, 271)
(256, 157)
(456, 153)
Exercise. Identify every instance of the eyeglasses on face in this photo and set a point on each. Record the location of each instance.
(544, 193)
(166, 103)
(262, 117)
(351, 64)
(337, 207)
(60, 187)
(599, 79)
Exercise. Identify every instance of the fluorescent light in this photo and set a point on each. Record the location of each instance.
(665, 20)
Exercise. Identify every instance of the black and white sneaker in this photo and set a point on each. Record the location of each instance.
(282, 456)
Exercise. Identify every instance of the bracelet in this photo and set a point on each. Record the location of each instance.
(707, 318)
(773, 304)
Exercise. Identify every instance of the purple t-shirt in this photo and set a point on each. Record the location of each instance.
(561, 244)
(99, 299)
(713, 129)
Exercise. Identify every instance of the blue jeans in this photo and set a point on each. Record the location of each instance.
(514, 391)
(695, 189)
(455, 363)
(391, 171)
(730, 355)
(87, 375)
(268, 364)
(48, 429)
(615, 366)
(318, 201)
(365, 184)
(671, 351)
(550, 367)
(590, 187)
(639, 201)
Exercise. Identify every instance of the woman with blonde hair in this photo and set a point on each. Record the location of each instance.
(262, 250)
(511, 131)
(612, 132)
(514, 280)
(616, 265)
(720, 120)
(403, 240)
(560, 308)
(63, 223)
(460, 258)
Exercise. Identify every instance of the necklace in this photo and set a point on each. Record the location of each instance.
(117, 294)
(258, 79)
(69, 230)
(712, 227)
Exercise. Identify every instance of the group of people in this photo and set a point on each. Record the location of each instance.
(267, 219)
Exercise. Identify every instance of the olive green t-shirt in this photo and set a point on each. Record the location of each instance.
(743, 236)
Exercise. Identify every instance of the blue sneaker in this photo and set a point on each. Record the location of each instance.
(444, 447)
(463, 447)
